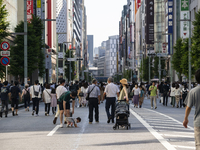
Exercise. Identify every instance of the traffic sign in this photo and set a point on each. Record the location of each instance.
(5, 53)
(162, 54)
(5, 46)
(5, 61)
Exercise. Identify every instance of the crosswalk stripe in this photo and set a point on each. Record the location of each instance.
(170, 135)
(186, 147)
(176, 132)
(163, 141)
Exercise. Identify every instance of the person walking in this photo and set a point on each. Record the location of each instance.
(26, 94)
(123, 93)
(35, 93)
(172, 94)
(102, 89)
(94, 101)
(15, 96)
(153, 95)
(177, 95)
(53, 101)
(193, 100)
(141, 96)
(4, 99)
(84, 91)
(59, 91)
(184, 93)
(46, 96)
(165, 90)
(136, 91)
(111, 92)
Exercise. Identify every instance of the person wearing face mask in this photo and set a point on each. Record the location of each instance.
(153, 95)
(136, 91)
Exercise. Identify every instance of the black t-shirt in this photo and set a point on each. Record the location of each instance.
(15, 92)
(4, 93)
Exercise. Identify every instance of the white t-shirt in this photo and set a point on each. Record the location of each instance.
(60, 90)
(177, 92)
(37, 89)
(47, 97)
(83, 90)
(111, 90)
(172, 93)
(136, 91)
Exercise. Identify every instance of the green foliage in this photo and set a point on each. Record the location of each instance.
(195, 51)
(156, 68)
(127, 74)
(35, 55)
(67, 70)
(177, 57)
(3, 31)
(144, 69)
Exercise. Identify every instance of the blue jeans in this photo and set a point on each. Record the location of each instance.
(110, 101)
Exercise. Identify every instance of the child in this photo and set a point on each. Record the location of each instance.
(141, 96)
(73, 121)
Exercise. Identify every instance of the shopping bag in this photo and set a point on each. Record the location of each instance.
(161, 99)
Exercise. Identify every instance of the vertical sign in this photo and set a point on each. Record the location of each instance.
(39, 13)
(29, 9)
(149, 21)
(170, 23)
(138, 4)
(185, 15)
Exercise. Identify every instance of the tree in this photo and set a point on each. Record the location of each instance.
(195, 51)
(3, 31)
(67, 70)
(145, 69)
(35, 55)
(177, 58)
(156, 68)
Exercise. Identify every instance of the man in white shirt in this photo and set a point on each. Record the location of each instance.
(111, 92)
(59, 91)
(35, 93)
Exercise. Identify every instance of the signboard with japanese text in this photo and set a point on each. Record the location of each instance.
(184, 15)
(170, 24)
(164, 47)
(39, 12)
(29, 9)
(149, 21)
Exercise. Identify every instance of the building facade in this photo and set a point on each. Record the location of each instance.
(90, 49)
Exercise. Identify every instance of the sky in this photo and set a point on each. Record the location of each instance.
(103, 18)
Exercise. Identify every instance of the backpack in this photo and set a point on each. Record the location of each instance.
(27, 95)
(14, 92)
(185, 92)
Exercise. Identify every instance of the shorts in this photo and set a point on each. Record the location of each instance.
(61, 105)
(15, 103)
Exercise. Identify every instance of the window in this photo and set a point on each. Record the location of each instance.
(60, 63)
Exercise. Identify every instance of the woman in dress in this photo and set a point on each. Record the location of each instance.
(141, 96)
(177, 95)
(53, 100)
(136, 91)
(47, 99)
(84, 90)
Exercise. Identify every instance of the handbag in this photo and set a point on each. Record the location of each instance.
(81, 94)
(35, 92)
(88, 94)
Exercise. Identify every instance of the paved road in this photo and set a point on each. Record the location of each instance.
(151, 130)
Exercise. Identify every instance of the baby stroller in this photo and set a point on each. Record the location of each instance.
(122, 113)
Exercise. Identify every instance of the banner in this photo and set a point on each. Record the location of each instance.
(170, 25)
(29, 9)
(39, 12)
(184, 15)
(149, 22)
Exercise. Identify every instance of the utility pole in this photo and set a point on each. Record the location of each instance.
(189, 56)
(25, 42)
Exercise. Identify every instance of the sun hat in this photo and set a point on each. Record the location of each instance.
(26, 85)
(123, 81)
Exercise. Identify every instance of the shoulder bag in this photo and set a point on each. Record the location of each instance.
(88, 94)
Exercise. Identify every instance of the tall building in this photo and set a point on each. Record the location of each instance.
(111, 55)
(102, 49)
(101, 66)
(96, 52)
(90, 49)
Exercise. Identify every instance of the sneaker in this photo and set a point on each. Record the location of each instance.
(54, 120)
(61, 125)
(36, 115)
(16, 114)
(90, 122)
(33, 113)
(67, 125)
(155, 107)
(151, 107)
(47, 114)
(97, 121)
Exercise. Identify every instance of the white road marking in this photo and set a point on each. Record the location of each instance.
(54, 130)
(170, 135)
(176, 132)
(169, 118)
(164, 124)
(180, 128)
(163, 141)
(186, 147)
